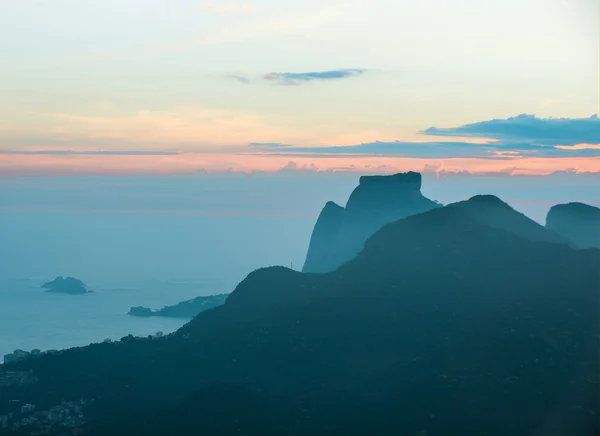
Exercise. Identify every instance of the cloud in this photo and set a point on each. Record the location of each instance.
(91, 152)
(194, 129)
(292, 166)
(442, 150)
(268, 145)
(187, 141)
(299, 78)
(238, 77)
(579, 147)
(529, 129)
(400, 149)
(520, 136)
(46, 165)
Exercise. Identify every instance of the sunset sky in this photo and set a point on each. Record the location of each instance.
(118, 87)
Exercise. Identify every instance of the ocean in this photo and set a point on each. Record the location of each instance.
(127, 259)
(31, 318)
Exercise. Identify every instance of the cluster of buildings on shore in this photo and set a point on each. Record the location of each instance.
(67, 414)
(19, 415)
(18, 355)
(16, 378)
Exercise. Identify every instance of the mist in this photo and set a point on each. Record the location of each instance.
(211, 227)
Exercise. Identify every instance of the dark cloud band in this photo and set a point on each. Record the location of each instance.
(296, 78)
(529, 129)
(523, 135)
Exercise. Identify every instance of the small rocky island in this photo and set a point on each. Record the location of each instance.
(185, 309)
(66, 285)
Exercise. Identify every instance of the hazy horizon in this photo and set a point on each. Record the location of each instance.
(209, 226)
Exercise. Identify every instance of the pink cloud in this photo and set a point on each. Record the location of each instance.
(14, 165)
(579, 147)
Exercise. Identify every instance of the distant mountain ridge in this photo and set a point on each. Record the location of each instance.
(577, 222)
(184, 309)
(340, 233)
(467, 319)
(498, 214)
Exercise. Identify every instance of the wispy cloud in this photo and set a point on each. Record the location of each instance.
(188, 153)
(293, 167)
(400, 149)
(42, 165)
(444, 150)
(523, 135)
(289, 78)
(91, 152)
(238, 77)
(299, 78)
(529, 129)
(212, 131)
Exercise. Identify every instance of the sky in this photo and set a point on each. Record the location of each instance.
(150, 87)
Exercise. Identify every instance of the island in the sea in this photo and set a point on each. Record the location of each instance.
(66, 285)
(185, 309)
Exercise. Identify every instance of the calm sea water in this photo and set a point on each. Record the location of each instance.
(128, 259)
(31, 318)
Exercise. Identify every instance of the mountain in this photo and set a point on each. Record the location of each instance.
(340, 233)
(498, 214)
(442, 324)
(324, 237)
(184, 309)
(578, 222)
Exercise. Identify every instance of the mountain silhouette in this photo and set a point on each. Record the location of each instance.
(447, 322)
(184, 309)
(498, 214)
(340, 233)
(324, 237)
(577, 222)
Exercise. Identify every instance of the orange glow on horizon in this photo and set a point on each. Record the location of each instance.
(190, 163)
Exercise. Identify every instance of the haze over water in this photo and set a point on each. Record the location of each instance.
(155, 241)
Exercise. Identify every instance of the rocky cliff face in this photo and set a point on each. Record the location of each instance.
(578, 222)
(324, 236)
(340, 233)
